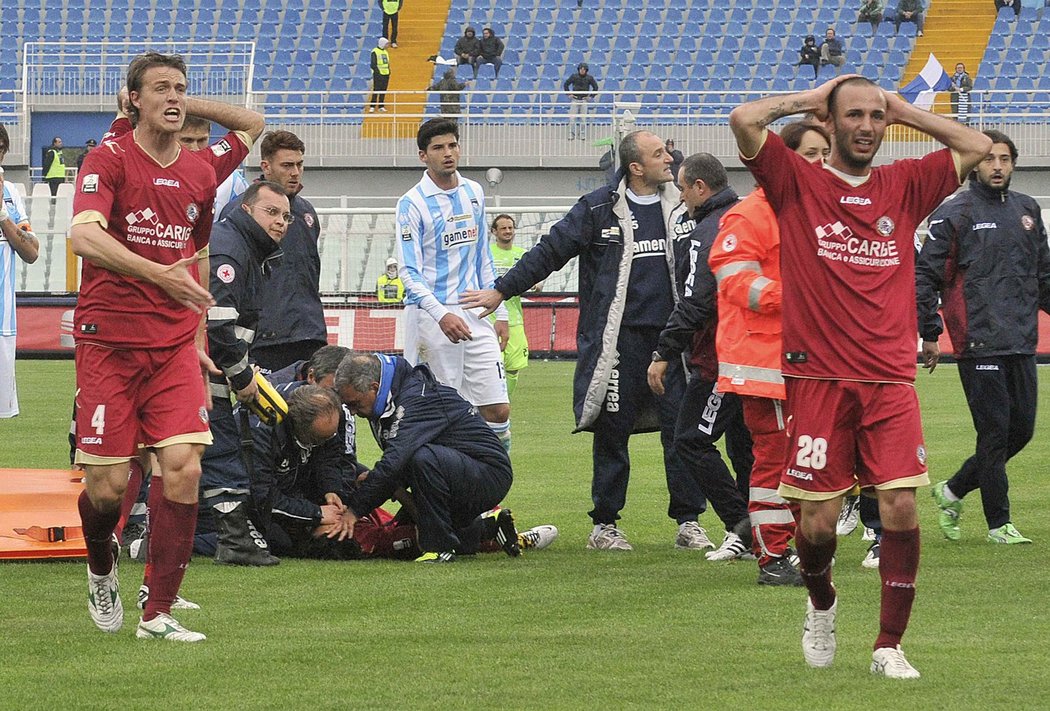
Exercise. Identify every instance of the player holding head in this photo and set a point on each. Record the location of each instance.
(445, 251)
(142, 212)
(848, 329)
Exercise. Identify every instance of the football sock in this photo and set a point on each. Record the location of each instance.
(898, 566)
(512, 382)
(131, 495)
(502, 430)
(98, 534)
(171, 544)
(156, 495)
(815, 567)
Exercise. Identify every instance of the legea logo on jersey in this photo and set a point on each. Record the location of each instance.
(836, 242)
(854, 200)
(166, 183)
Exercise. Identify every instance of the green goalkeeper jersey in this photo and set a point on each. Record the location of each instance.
(503, 260)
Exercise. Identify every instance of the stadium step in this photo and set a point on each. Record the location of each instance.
(421, 26)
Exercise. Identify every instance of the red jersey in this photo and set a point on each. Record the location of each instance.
(225, 156)
(847, 259)
(161, 213)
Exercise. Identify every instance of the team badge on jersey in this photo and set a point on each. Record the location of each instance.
(193, 212)
(90, 183)
(221, 148)
(729, 243)
(1027, 222)
(884, 226)
(308, 218)
(226, 273)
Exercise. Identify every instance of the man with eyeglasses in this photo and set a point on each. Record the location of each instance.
(292, 326)
(243, 245)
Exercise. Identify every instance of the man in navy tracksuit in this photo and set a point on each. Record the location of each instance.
(988, 260)
(620, 233)
(435, 444)
(241, 245)
(705, 414)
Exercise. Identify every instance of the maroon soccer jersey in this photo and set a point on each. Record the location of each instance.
(848, 261)
(161, 213)
(225, 155)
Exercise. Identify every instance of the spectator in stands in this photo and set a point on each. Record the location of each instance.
(16, 238)
(490, 51)
(581, 86)
(872, 11)
(1014, 5)
(467, 48)
(54, 165)
(390, 9)
(88, 145)
(809, 54)
(676, 159)
(831, 51)
(909, 11)
(960, 90)
(380, 62)
(389, 288)
(293, 326)
(449, 87)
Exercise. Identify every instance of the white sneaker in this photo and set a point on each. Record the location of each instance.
(371, 109)
(107, 611)
(180, 602)
(732, 548)
(890, 662)
(849, 516)
(165, 627)
(607, 537)
(818, 635)
(869, 534)
(692, 536)
(382, 109)
(871, 560)
(538, 537)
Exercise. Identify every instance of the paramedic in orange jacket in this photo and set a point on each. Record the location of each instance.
(745, 260)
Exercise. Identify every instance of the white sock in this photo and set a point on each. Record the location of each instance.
(949, 494)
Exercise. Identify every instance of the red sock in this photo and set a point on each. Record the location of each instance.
(170, 547)
(131, 495)
(156, 495)
(98, 534)
(898, 566)
(814, 562)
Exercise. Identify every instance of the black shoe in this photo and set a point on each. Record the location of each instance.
(446, 557)
(779, 571)
(507, 534)
(240, 543)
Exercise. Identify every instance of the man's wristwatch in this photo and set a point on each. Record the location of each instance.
(657, 358)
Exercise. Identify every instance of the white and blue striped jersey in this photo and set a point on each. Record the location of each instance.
(444, 244)
(229, 191)
(16, 210)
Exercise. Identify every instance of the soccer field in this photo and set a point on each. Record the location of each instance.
(559, 628)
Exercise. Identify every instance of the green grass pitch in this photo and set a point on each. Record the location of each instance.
(563, 628)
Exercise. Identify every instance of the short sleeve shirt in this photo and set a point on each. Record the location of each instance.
(162, 213)
(848, 261)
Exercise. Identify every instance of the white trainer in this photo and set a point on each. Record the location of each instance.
(538, 537)
(849, 516)
(180, 603)
(692, 536)
(871, 560)
(732, 548)
(818, 635)
(165, 627)
(890, 663)
(107, 611)
(607, 537)
(869, 534)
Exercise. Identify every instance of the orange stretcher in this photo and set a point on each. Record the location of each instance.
(38, 514)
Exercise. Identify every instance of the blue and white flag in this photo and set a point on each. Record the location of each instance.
(922, 89)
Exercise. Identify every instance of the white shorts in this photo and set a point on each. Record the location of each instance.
(474, 368)
(8, 392)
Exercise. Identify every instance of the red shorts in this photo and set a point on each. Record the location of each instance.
(129, 397)
(843, 433)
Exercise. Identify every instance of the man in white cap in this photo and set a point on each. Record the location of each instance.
(380, 76)
(389, 289)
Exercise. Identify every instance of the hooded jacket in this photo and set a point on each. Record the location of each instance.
(988, 260)
(598, 230)
(468, 45)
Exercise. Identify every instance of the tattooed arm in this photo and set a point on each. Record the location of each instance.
(18, 235)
